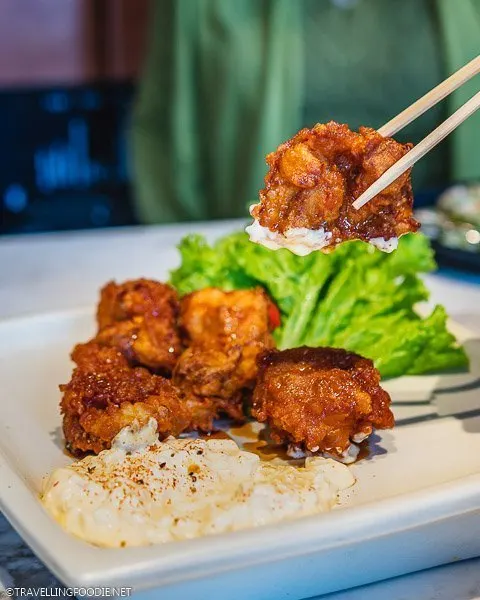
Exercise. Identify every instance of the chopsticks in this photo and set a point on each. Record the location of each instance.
(431, 98)
(435, 137)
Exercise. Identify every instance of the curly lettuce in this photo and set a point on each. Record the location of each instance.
(357, 297)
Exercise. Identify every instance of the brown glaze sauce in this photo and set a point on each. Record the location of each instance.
(266, 451)
(245, 431)
(215, 435)
(364, 450)
(258, 443)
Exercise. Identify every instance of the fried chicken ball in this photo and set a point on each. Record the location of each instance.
(139, 318)
(311, 184)
(106, 394)
(224, 332)
(320, 400)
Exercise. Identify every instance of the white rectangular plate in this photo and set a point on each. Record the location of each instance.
(416, 502)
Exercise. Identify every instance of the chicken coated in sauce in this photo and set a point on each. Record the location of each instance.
(320, 399)
(224, 332)
(315, 176)
(139, 317)
(106, 394)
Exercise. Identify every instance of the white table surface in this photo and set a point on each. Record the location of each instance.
(47, 272)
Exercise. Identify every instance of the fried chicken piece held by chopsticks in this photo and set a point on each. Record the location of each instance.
(139, 317)
(312, 182)
(106, 394)
(320, 400)
(224, 332)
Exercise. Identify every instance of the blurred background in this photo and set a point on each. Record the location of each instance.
(67, 75)
(117, 112)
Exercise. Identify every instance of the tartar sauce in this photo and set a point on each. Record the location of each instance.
(143, 491)
(303, 241)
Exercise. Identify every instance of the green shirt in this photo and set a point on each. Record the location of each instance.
(226, 81)
(367, 73)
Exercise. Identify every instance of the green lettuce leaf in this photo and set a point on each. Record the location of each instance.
(357, 297)
(205, 266)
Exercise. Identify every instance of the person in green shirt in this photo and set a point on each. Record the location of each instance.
(226, 81)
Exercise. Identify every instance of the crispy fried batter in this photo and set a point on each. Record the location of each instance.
(206, 380)
(225, 332)
(139, 318)
(320, 399)
(106, 394)
(315, 176)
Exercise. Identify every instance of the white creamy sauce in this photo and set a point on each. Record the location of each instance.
(303, 241)
(361, 436)
(384, 245)
(348, 456)
(299, 240)
(143, 491)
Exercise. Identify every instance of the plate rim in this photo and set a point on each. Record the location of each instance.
(77, 563)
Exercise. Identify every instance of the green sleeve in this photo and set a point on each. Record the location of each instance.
(222, 86)
(460, 30)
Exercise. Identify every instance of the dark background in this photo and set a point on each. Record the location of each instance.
(67, 75)
(68, 70)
